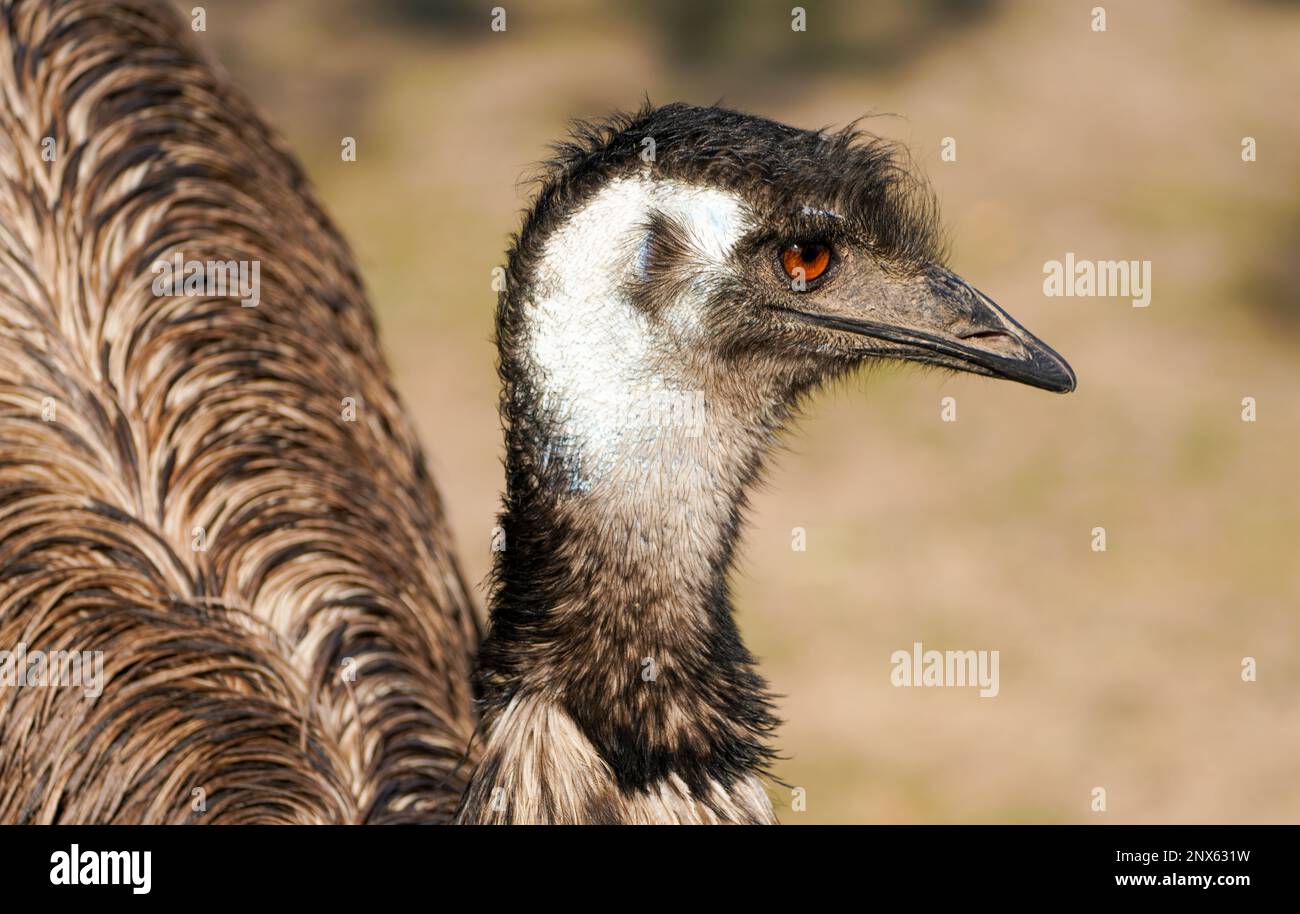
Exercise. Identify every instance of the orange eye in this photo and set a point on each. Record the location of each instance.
(805, 261)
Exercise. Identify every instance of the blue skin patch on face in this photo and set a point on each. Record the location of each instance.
(643, 255)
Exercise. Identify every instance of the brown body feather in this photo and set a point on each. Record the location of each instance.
(128, 419)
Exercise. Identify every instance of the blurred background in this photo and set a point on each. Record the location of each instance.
(1120, 669)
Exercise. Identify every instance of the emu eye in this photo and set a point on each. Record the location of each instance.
(805, 261)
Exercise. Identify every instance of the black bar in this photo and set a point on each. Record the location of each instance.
(333, 864)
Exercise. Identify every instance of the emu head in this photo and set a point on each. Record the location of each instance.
(701, 249)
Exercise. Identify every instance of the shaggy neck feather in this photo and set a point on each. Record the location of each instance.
(613, 651)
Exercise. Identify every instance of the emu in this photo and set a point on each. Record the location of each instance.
(285, 632)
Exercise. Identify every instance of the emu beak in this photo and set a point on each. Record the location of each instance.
(989, 340)
(939, 319)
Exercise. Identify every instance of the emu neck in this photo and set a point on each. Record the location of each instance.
(612, 614)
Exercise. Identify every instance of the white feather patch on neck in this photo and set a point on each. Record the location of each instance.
(593, 351)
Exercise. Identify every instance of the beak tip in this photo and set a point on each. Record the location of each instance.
(1063, 380)
(1050, 372)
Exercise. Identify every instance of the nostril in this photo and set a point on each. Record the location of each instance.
(998, 341)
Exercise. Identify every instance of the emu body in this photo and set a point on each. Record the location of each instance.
(229, 504)
(178, 487)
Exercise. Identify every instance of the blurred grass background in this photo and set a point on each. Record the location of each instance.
(1119, 670)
